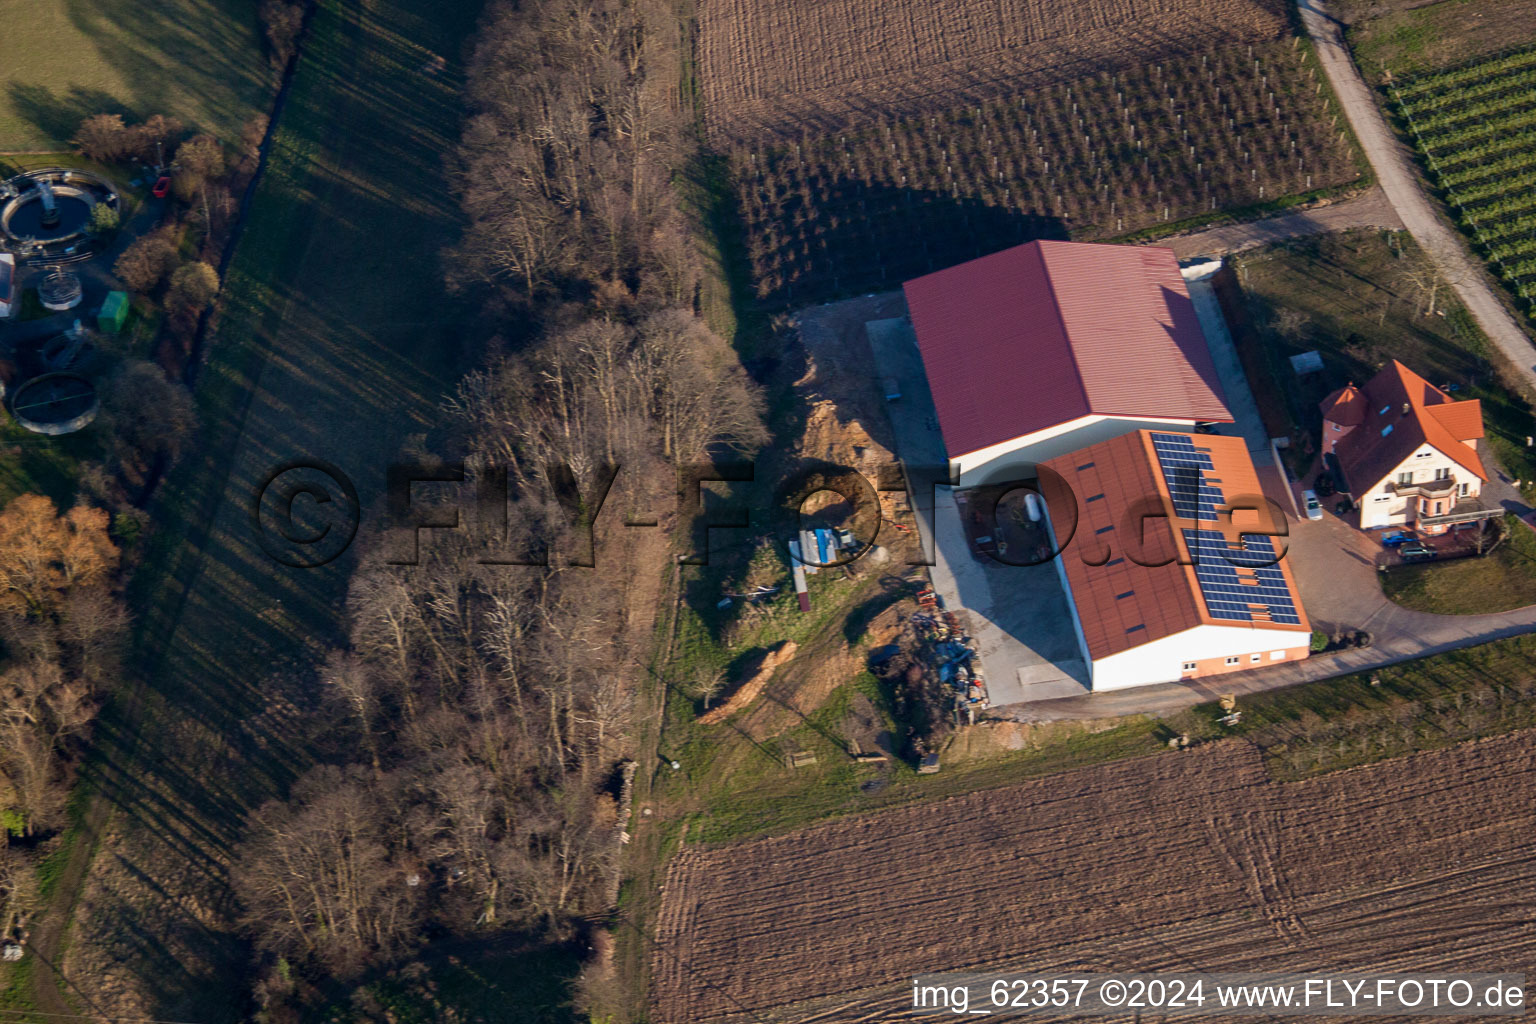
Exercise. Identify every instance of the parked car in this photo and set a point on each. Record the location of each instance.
(7, 285)
(1397, 539)
(161, 187)
(1313, 507)
(1417, 553)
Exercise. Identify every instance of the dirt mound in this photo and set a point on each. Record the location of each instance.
(753, 686)
(993, 738)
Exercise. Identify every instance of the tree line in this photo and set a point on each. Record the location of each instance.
(62, 627)
(484, 711)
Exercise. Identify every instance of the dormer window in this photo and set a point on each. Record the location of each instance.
(1386, 430)
(1384, 410)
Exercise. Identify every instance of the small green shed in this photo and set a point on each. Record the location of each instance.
(113, 312)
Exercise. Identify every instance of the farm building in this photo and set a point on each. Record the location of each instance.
(1406, 452)
(1172, 559)
(1044, 348)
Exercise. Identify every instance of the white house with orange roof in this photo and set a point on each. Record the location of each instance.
(1406, 451)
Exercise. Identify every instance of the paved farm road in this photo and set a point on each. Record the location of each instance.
(1399, 178)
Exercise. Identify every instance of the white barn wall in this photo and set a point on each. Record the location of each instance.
(1016, 459)
(1162, 661)
(1066, 587)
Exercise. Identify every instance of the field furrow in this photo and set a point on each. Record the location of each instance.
(1193, 862)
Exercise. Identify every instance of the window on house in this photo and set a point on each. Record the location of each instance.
(1442, 473)
(1386, 430)
(1464, 489)
(1384, 497)
(1423, 455)
(1276, 655)
(1384, 410)
(1190, 666)
(1337, 427)
(1233, 661)
(1403, 479)
(1255, 658)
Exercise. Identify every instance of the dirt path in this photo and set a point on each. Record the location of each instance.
(1370, 209)
(1400, 180)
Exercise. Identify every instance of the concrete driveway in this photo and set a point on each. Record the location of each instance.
(1022, 621)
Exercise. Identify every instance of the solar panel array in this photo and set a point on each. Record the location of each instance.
(1196, 496)
(1226, 595)
(1184, 466)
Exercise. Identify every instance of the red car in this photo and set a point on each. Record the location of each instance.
(161, 187)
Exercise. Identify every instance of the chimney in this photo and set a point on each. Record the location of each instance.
(1407, 408)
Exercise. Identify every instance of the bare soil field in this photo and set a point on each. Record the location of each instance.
(825, 65)
(1183, 861)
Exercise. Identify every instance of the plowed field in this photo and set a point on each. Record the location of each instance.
(823, 65)
(1194, 861)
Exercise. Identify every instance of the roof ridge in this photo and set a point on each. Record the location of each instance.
(1061, 319)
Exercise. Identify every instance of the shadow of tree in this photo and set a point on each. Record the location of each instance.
(58, 114)
(859, 238)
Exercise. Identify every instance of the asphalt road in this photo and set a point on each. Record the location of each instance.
(1400, 180)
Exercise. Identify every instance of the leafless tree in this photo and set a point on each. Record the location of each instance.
(327, 875)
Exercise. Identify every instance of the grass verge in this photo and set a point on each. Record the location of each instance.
(1500, 581)
(1426, 704)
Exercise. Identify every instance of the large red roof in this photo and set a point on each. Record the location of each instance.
(1047, 332)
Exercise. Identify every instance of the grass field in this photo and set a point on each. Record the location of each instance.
(64, 60)
(1394, 38)
(1502, 580)
(33, 464)
(1352, 298)
(1310, 730)
(336, 342)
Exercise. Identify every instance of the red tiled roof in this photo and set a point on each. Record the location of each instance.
(1404, 412)
(1108, 480)
(1346, 406)
(1044, 333)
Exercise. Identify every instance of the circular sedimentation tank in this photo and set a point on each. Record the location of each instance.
(55, 403)
(47, 213)
(59, 290)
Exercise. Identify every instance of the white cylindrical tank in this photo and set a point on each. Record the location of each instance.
(1032, 506)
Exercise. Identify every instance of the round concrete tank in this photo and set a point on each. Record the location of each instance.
(55, 403)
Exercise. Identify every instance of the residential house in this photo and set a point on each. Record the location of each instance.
(1406, 452)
